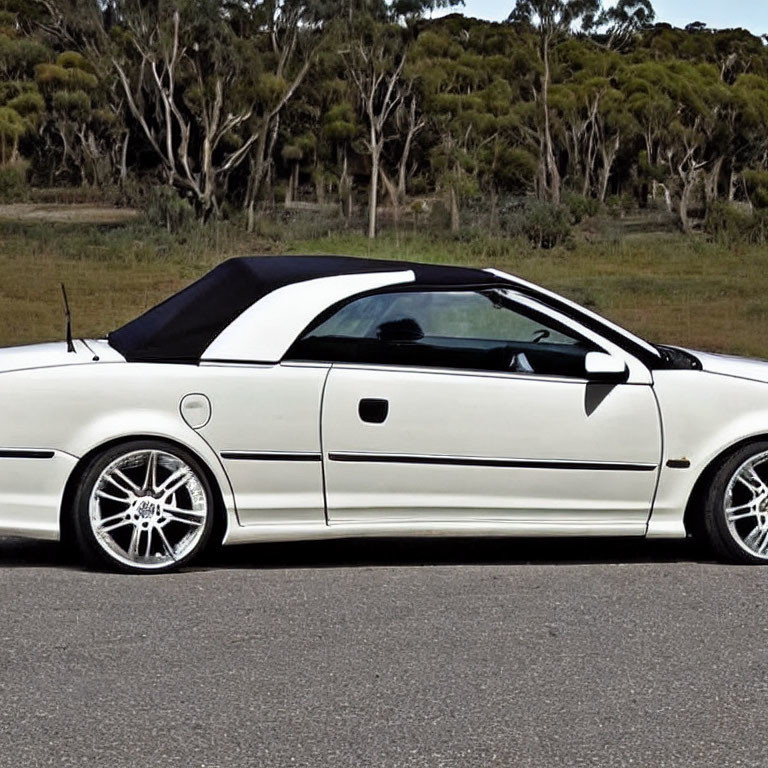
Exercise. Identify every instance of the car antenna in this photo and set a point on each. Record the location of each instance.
(68, 315)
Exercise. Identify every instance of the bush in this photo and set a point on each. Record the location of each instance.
(13, 182)
(733, 224)
(439, 216)
(757, 186)
(581, 207)
(542, 224)
(165, 208)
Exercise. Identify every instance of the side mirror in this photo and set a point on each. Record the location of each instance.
(603, 367)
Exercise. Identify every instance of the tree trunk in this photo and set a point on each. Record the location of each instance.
(124, 160)
(319, 185)
(208, 200)
(493, 222)
(392, 193)
(373, 197)
(553, 174)
(689, 183)
(609, 157)
(711, 187)
(667, 196)
(259, 159)
(345, 186)
(455, 217)
(402, 171)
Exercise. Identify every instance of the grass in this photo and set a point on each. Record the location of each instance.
(111, 274)
(666, 288)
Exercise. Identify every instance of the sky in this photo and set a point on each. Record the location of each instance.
(750, 14)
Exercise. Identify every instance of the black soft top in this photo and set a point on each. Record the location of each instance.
(182, 327)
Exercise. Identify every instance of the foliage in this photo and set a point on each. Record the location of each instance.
(13, 182)
(245, 106)
(542, 224)
(731, 225)
(164, 208)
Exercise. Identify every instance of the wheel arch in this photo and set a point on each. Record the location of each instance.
(693, 518)
(66, 519)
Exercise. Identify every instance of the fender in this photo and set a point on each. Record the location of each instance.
(704, 415)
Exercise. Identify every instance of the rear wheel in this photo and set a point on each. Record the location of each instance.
(144, 506)
(736, 507)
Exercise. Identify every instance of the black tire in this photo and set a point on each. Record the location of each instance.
(144, 510)
(730, 541)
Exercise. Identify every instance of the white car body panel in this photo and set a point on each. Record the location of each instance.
(704, 414)
(30, 495)
(273, 427)
(264, 332)
(728, 365)
(54, 354)
(78, 408)
(431, 449)
(270, 416)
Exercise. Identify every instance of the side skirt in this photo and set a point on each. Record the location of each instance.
(465, 528)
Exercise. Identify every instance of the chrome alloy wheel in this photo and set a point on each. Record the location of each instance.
(746, 506)
(148, 509)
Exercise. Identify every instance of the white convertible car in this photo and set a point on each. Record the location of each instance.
(297, 397)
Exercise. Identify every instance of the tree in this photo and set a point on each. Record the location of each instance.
(375, 57)
(553, 20)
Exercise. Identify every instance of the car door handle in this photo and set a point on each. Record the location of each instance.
(373, 411)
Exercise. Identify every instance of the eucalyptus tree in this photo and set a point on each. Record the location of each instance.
(79, 119)
(375, 42)
(553, 20)
(375, 57)
(597, 122)
(747, 149)
(21, 104)
(466, 94)
(621, 22)
(206, 84)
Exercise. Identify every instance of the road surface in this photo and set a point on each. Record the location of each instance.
(387, 653)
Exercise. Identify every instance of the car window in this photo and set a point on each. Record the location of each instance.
(457, 329)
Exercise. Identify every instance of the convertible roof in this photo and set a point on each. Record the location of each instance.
(182, 327)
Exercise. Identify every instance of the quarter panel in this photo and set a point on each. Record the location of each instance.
(30, 495)
(253, 408)
(269, 416)
(703, 414)
(76, 409)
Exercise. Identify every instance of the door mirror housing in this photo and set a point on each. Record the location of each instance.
(601, 366)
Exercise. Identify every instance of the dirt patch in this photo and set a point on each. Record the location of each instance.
(67, 214)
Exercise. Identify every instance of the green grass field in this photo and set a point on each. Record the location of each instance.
(663, 287)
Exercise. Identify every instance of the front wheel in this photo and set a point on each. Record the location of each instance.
(736, 507)
(141, 507)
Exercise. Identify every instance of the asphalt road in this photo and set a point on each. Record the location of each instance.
(411, 653)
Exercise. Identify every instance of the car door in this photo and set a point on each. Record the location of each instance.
(472, 406)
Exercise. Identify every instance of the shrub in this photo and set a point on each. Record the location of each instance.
(543, 224)
(439, 216)
(581, 207)
(13, 182)
(734, 223)
(165, 208)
